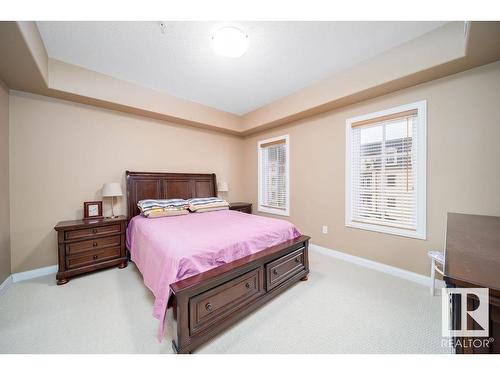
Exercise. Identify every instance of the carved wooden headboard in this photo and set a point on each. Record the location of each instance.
(146, 185)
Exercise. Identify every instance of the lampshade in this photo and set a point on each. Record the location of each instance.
(223, 186)
(112, 189)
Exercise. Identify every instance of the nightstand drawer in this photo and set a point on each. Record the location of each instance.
(97, 243)
(74, 261)
(89, 232)
(246, 210)
(241, 207)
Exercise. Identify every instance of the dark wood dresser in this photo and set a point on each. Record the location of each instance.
(88, 245)
(241, 206)
(472, 260)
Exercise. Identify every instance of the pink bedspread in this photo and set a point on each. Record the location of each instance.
(170, 249)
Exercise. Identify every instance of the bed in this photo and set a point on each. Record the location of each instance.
(208, 270)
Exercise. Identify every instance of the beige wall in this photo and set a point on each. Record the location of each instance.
(4, 184)
(61, 154)
(463, 173)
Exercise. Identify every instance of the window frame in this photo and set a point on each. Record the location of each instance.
(261, 207)
(421, 207)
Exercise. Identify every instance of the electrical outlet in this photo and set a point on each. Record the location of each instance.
(324, 229)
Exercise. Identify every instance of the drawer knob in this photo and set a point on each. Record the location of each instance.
(275, 271)
(208, 306)
(94, 244)
(94, 257)
(297, 260)
(94, 230)
(248, 286)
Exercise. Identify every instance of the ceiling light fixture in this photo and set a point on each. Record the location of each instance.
(230, 41)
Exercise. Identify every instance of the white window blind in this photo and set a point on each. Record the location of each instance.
(273, 175)
(386, 177)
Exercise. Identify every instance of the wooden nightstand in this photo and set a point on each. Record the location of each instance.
(89, 245)
(241, 206)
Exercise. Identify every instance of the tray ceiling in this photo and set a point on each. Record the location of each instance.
(282, 58)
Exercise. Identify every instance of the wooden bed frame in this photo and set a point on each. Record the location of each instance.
(204, 305)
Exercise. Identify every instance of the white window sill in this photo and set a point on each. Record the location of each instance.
(419, 234)
(274, 211)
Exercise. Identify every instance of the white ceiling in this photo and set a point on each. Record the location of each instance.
(283, 57)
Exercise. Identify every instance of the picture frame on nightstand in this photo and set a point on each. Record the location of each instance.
(92, 210)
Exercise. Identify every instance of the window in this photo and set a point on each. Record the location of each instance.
(274, 175)
(386, 171)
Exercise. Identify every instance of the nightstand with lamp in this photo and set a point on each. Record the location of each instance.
(93, 243)
(235, 206)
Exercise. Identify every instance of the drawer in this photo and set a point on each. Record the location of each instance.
(242, 208)
(97, 256)
(97, 243)
(89, 232)
(284, 268)
(216, 304)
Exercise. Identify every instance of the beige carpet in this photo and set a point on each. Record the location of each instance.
(343, 308)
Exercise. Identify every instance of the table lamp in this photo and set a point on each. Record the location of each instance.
(223, 188)
(112, 190)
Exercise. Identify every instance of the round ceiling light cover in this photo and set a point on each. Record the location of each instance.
(230, 41)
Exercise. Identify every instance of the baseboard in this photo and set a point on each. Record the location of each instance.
(27, 275)
(381, 267)
(5, 284)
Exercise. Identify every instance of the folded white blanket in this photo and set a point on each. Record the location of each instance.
(212, 209)
(196, 204)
